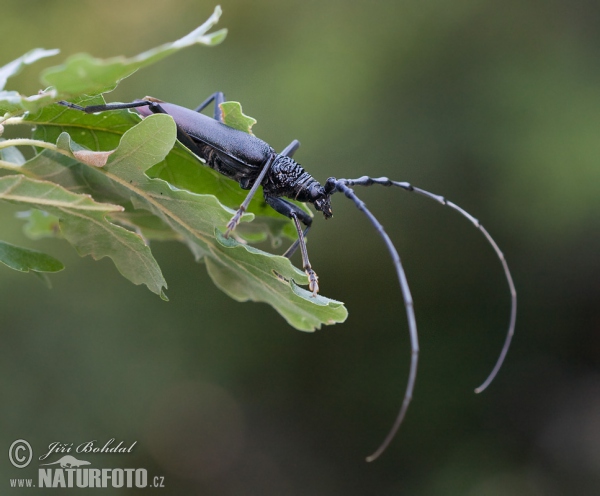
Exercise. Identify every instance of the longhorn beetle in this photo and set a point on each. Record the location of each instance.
(253, 163)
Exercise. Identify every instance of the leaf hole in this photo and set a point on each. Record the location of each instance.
(280, 277)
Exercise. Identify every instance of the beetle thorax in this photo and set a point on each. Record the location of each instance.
(287, 178)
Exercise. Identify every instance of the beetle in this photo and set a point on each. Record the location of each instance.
(251, 162)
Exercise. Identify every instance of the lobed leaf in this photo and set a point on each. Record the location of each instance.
(241, 271)
(235, 118)
(84, 74)
(84, 224)
(246, 273)
(146, 186)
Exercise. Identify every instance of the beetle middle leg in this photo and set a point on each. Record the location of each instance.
(218, 97)
(288, 151)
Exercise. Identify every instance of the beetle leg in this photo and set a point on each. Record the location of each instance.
(244, 206)
(290, 149)
(294, 246)
(289, 152)
(219, 98)
(297, 215)
(91, 109)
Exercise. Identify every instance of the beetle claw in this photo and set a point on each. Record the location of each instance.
(231, 225)
(313, 284)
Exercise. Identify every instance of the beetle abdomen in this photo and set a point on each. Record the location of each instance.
(242, 147)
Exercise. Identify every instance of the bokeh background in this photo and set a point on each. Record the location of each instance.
(494, 104)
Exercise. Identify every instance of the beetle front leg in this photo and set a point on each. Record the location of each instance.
(244, 206)
(297, 215)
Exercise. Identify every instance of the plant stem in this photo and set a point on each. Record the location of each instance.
(9, 121)
(31, 142)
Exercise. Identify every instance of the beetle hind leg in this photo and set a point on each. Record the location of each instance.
(297, 215)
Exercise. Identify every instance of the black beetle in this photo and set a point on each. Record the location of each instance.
(253, 163)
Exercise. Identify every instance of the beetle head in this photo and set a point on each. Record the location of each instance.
(321, 199)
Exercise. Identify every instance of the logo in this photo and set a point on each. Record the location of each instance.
(69, 461)
(71, 472)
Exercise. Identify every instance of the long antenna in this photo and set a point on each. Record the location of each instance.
(341, 186)
(384, 181)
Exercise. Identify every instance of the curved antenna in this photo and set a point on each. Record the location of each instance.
(384, 181)
(332, 186)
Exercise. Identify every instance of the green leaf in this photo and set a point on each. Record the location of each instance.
(25, 260)
(45, 194)
(83, 74)
(235, 118)
(94, 131)
(246, 273)
(84, 224)
(242, 271)
(146, 225)
(14, 67)
(107, 186)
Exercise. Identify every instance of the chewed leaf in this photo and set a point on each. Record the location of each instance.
(25, 260)
(84, 74)
(235, 118)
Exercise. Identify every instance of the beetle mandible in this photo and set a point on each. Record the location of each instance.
(253, 163)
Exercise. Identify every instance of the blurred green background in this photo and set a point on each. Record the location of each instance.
(495, 105)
